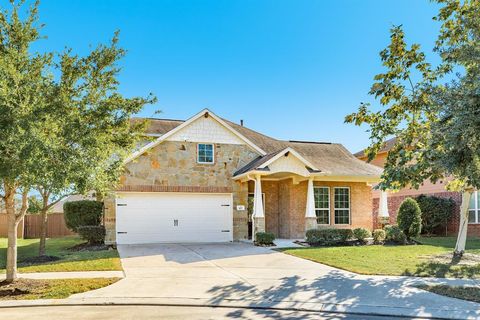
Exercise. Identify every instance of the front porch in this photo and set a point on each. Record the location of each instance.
(289, 195)
(288, 205)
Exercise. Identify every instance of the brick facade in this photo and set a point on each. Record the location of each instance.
(285, 204)
(394, 203)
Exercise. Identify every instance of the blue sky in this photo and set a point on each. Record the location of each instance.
(289, 69)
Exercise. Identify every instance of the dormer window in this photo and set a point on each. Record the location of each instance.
(205, 153)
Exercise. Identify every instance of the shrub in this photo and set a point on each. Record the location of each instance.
(394, 234)
(327, 236)
(361, 234)
(82, 213)
(436, 212)
(92, 234)
(345, 234)
(264, 238)
(409, 218)
(379, 236)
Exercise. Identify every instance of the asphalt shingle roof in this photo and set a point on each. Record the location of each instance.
(330, 158)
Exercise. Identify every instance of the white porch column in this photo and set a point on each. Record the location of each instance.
(258, 214)
(310, 216)
(383, 214)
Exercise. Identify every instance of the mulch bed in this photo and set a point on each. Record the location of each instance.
(356, 243)
(38, 260)
(20, 287)
(88, 247)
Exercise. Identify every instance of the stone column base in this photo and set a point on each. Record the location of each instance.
(310, 223)
(259, 226)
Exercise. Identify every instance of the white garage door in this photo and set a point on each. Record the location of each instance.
(173, 217)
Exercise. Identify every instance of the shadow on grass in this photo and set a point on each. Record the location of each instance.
(445, 270)
(58, 247)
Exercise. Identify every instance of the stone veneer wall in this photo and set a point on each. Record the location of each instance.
(172, 167)
(394, 203)
(285, 204)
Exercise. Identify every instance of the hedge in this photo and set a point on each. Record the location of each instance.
(92, 234)
(264, 238)
(82, 213)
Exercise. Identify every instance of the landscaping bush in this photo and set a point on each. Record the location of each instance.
(92, 234)
(264, 238)
(82, 213)
(409, 218)
(345, 234)
(361, 234)
(379, 236)
(394, 234)
(327, 236)
(436, 212)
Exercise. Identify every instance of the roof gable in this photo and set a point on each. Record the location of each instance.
(206, 129)
(199, 131)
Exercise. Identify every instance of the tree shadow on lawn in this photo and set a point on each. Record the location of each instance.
(337, 288)
(444, 270)
(27, 253)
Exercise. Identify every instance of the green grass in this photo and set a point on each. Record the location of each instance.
(103, 260)
(464, 293)
(51, 289)
(395, 260)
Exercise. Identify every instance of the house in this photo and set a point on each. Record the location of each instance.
(207, 179)
(394, 199)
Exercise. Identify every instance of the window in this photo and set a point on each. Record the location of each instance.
(474, 208)
(342, 205)
(205, 153)
(322, 204)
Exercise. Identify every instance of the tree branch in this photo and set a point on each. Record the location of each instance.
(59, 199)
(24, 207)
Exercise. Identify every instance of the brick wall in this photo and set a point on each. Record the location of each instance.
(394, 203)
(285, 204)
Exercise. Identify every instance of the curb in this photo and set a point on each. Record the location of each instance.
(372, 310)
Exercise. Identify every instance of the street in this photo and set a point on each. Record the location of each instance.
(166, 312)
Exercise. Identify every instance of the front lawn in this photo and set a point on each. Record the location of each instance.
(102, 260)
(416, 260)
(50, 289)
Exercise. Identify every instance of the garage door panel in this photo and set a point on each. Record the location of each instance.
(145, 218)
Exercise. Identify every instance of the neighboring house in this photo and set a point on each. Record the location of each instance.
(207, 179)
(428, 188)
(58, 207)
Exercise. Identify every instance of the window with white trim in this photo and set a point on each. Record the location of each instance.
(474, 208)
(322, 204)
(341, 200)
(205, 153)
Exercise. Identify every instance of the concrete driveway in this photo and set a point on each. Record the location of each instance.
(241, 274)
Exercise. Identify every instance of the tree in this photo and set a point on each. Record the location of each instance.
(436, 212)
(431, 119)
(61, 134)
(34, 205)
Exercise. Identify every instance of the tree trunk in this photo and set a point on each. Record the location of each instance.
(43, 226)
(43, 232)
(12, 234)
(463, 227)
(13, 219)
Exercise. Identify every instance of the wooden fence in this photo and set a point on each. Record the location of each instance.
(3, 227)
(31, 226)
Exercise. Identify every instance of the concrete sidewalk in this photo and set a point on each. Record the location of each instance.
(69, 275)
